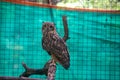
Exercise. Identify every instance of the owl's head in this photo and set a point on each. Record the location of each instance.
(48, 27)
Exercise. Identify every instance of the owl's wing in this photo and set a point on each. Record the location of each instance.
(46, 44)
(59, 50)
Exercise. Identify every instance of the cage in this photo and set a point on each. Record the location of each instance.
(94, 44)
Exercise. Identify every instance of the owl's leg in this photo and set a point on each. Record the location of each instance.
(54, 58)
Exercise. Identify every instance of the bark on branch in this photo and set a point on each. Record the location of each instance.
(66, 31)
(29, 71)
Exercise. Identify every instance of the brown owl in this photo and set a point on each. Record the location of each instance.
(54, 45)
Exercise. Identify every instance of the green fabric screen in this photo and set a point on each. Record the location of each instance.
(94, 43)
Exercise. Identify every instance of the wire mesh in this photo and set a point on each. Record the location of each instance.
(94, 43)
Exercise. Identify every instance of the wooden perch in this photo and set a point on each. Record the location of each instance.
(30, 71)
(66, 32)
(49, 68)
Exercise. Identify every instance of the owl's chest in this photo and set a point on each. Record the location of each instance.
(48, 41)
(48, 38)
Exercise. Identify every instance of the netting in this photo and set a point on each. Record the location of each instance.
(94, 43)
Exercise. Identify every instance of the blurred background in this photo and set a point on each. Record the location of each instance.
(98, 4)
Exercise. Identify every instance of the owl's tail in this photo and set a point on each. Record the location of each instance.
(66, 65)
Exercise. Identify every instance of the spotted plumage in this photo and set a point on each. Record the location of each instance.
(54, 45)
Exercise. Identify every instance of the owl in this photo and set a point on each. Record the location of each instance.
(54, 45)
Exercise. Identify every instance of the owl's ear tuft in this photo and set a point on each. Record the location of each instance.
(43, 22)
(53, 23)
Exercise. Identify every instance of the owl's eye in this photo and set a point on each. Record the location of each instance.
(51, 26)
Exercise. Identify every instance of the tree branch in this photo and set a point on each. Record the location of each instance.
(66, 32)
(51, 70)
(29, 71)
